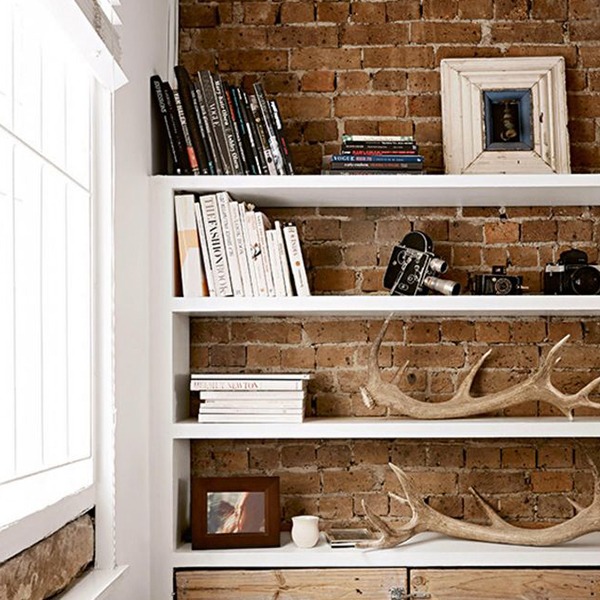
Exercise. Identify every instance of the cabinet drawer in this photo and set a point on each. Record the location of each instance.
(290, 584)
(506, 584)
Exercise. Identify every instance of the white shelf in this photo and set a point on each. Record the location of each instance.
(424, 550)
(382, 428)
(367, 306)
(399, 190)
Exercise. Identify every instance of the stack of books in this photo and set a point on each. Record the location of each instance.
(226, 248)
(213, 128)
(251, 398)
(367, 154)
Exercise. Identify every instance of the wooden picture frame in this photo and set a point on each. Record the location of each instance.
(235, 512)
(505, 115)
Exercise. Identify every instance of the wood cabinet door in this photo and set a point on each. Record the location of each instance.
(290, 584)
(506, 584)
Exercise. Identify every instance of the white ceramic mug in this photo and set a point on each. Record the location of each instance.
(305, 531)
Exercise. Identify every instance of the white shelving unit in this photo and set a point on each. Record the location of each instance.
(172, 431)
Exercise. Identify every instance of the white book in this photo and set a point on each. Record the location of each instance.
(220, 410)
(292, 244)
(262, 224)
(252, 395)
(204, 250)
(240, 247)
(254, 404)
(242, 209)
(197, 385)
(193, 279)
(223, 200)
(254, 254)
(253, 376)
(216, 245)
(275, 260)
(241, 418)
(287, 279)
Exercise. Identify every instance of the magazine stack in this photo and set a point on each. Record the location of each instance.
(381, 154)
(227, 248)
(214, 128)
(273, 398)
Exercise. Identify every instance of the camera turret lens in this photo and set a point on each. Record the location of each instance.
(586, 281)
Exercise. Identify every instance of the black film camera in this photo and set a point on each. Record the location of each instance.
(572, 275)
(496, 283)
(413, 268)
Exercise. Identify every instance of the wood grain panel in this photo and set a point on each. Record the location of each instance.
(289, 584)
(506, 584)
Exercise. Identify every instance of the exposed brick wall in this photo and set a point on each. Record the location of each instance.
(373, 66)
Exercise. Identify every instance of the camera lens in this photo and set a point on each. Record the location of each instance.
(438, 265)
(502, 286)
(443, 286)
(586, 281)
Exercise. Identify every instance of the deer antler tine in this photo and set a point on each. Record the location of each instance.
(578, 508)
(467, 382)
(366, 397)
(399, 372)
(551, 359)
(377, 521)
(590, 387)
(399, 498)
(492, 515)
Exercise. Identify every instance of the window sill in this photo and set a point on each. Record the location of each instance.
(95, 585)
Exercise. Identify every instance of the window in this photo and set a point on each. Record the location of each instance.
(51, 111)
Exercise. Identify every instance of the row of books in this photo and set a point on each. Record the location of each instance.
(226, 248)
(251, 398)
(213, 128)
(366, 154)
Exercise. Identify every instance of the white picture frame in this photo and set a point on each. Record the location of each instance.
(478, 92)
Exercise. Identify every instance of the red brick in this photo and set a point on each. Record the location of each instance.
(575, 231)
(483, 458)
(527, 33)
(259, 356)
(430, 356)
(356, 106)
(335, 12)
(551, 481)
(425, 105)
(443, 52)
(389, 80)
(492, 331)
(304, 107)
(440, 9)
(260, 13)
(569, 53)
(518, 457)
(423, 81)
(549, 9)
(353, 81)
(297, 12)
(539, 231)
(198, 15)
(367, 12)
(325, 58)
(501, 232)
(198, 60)
(355, 480)
(590, 56)
(403, 10)
(373, 35)
(584, 9)
(458, 331)
(319, 131)
(446, 455)
(334, 280)
(230, 37)
(475, 9)
(300, 37)
(298, 358)
(444, 33)
(428, 131)
(583, 31)
(400, 57)
(511, 10)
(252, 60)
(318, 81)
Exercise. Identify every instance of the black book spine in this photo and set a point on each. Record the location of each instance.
(285, 152)
(184, 87)
(267, 118)
(175, 124)
(159, 97)
(236, 127)
(207, 127)
(189, 148)
(244, 133)
(232, 150)
(253, 133)
(206, 82)
(212, 170)
(262, 136)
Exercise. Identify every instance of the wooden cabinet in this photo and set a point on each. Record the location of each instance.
(292, 584)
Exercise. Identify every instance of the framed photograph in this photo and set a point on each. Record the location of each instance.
(505, 115)
(235, 512)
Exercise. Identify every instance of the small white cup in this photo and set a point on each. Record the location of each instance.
(305, 531)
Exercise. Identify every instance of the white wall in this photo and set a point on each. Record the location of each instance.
(144, 42)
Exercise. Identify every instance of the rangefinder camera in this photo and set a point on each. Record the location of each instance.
(572, 275)
(413, 268)
(496, 283)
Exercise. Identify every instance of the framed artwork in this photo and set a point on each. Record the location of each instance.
(505, 115)
(235, 512)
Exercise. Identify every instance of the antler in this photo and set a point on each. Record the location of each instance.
(426, 518)
(537, 387)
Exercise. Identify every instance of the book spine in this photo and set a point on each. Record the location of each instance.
(198, 385)
(292, 244)
(244, 134)
(193, 279)
(254, 254)
(262, 137)
(235, 125)
(175, 125)
(355, 150)
(377, 138)
(269, 127)
(262, 223)
(240, 247)
(211, 409)
(208, 132)
(192, 118)
(287, 280)
(252, 395)
(232, 150)
(285, 152)
(207, 86)
(275, 261)
(204, 253)
(158, 95)
(379, 165)
(216, 245)
(230, 249)
(241, 207)
(253, 138)
(384, 158)
(186, 135)
(250, 418)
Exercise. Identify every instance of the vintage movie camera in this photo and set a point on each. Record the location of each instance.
(413, 268)
(496, 283)
(572, 275)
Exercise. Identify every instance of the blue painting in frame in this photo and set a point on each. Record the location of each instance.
(507, 116)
